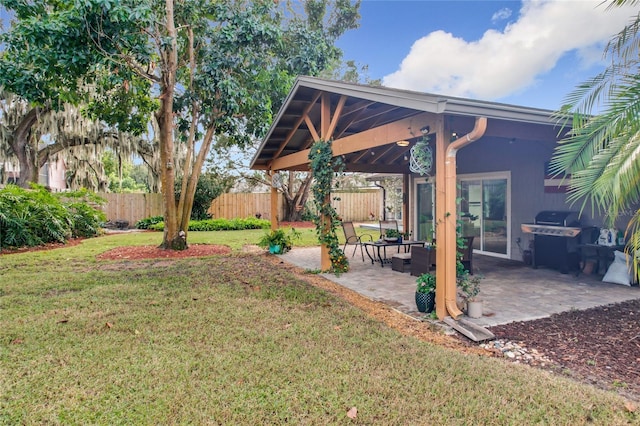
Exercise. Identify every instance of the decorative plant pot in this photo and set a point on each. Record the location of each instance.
(474, 309)
(425, 301)
(275, 249)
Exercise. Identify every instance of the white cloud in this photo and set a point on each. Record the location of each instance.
(504, 62)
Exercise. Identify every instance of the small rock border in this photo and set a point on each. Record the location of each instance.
(517, 352)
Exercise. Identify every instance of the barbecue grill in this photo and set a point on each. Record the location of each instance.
(555, 243)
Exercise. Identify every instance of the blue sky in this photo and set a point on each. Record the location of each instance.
(530, 53)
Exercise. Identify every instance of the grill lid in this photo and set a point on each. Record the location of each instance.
(557, 218)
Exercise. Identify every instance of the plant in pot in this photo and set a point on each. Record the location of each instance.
(426, 292)
(278, 241)
(469, 286)
(391, 235)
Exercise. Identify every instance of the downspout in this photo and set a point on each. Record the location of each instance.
(384, 200)
(451, 209)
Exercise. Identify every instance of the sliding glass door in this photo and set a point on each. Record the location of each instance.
(484, 212)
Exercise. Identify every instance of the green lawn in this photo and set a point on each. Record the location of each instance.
(234, 340)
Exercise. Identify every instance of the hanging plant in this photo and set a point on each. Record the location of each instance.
(421, 157)
(324, 166)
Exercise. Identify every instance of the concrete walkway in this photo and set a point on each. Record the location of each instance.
(511, 291)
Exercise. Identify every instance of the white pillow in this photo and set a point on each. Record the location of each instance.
(619, 272)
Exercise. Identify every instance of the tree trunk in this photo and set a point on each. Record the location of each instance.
(291, 213)
(27, 156)
(294, 205)
(173, 238)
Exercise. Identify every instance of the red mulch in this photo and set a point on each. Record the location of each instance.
(48, 246)
(153, 252)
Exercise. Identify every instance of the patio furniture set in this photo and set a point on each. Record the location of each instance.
(416, 257)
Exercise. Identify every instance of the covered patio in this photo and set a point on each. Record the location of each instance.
(511, 290)
(490, 169)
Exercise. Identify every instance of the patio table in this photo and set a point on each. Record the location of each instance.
(379, 248)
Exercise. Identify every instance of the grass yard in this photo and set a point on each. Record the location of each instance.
(234, 340)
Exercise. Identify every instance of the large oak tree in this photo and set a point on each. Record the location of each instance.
(202, 68)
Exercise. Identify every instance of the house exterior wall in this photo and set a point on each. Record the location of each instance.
(57, 171)
(52, 175)
(526, 161)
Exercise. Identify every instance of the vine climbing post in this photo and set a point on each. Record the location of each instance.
(323, 166)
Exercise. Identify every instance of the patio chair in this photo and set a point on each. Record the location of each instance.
(387, 224)
(353, 239)
(423, 260)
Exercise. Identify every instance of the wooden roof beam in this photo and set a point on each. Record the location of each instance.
(382, 135)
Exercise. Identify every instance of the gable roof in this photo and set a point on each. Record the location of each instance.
(367, 107)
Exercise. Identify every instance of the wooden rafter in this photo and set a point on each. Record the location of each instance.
(378, 136)
(336, 114)
(296, 125)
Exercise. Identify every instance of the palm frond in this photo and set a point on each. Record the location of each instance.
(623, 47)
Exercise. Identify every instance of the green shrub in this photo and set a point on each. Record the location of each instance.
(147, 222)
(36, 216)
(86, 220)
(236, 224)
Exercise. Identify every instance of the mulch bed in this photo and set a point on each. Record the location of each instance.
(600, 346)
(153, 252)
(48, 246)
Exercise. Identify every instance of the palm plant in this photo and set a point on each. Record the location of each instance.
(601, 151)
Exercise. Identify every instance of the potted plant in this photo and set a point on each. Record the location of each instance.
(426, 292)
(392, 235)
(469, 286)
(278, 241)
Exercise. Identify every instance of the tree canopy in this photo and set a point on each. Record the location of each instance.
(201, 68)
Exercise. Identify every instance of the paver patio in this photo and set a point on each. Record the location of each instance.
(511, 291)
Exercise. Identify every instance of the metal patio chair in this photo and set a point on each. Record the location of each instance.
(353, 239)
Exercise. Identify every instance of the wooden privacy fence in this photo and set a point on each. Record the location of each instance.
(244, 204)
(356, 206)
(131, 207)
(351, 206)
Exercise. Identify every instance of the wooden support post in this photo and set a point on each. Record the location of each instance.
(441, 277)
(275, 220)
(325, 117)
